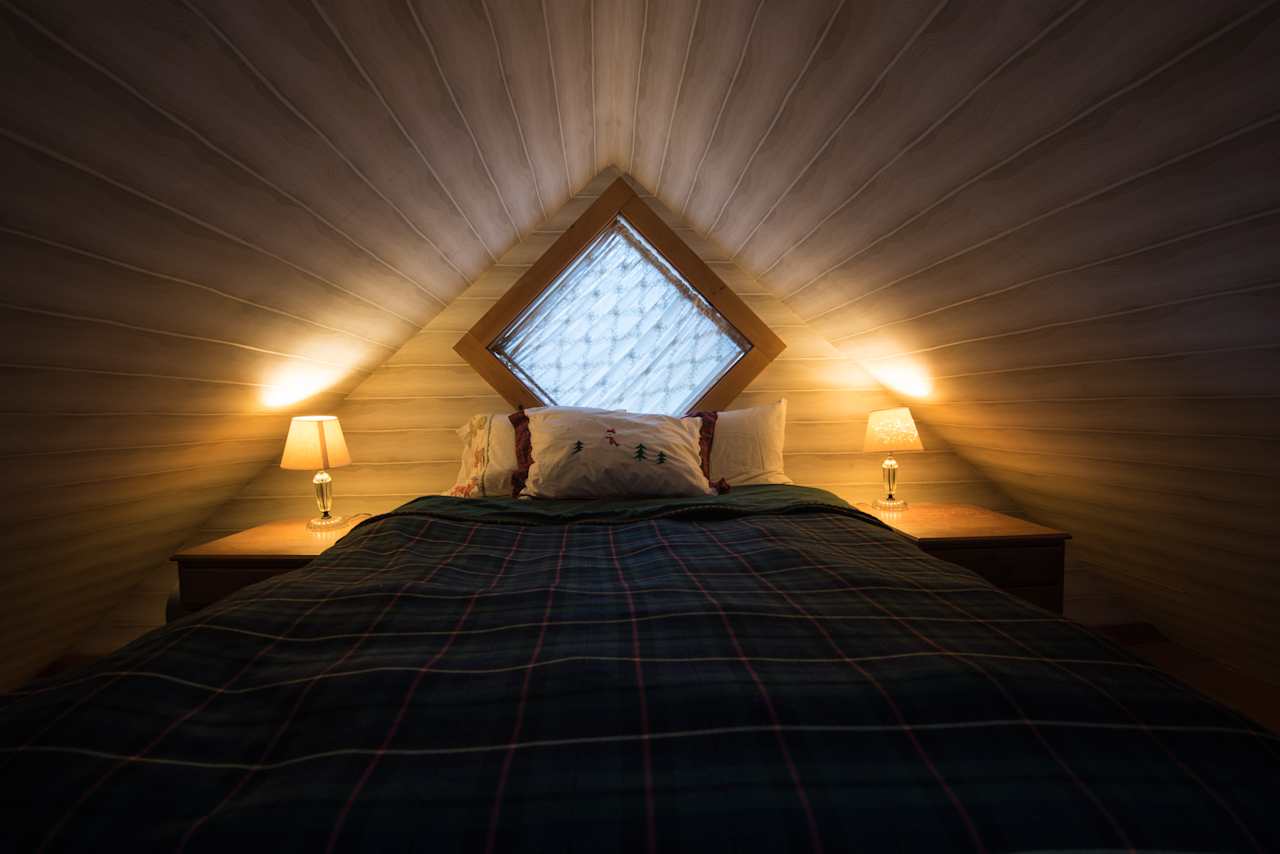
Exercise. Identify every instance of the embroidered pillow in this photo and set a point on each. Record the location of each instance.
(602, 454)
(488, 457)
(744, 446)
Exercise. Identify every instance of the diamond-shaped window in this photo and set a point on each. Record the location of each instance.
(620, 328)
(619, 313)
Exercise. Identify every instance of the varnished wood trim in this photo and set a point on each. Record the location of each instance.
(494, 372)
(619, 200)
(729, 386)
(701, 276)
(543, 271)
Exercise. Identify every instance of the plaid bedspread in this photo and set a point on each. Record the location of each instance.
(764, 671)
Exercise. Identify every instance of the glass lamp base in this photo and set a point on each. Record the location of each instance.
(326, 523)
(889, 504)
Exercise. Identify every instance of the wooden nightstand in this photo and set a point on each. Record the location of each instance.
(208, 572)
(1015, 555)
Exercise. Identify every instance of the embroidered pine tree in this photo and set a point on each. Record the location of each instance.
(641, 453)
(577, 446)
(662, 457)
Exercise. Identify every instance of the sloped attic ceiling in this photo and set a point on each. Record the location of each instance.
(401, 421)
(1065, 215)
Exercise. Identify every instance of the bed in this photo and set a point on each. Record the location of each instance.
(764, 670)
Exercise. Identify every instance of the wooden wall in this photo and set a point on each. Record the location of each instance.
(400, 421)
(202, 204)
(1063, 212)
(1067, 217)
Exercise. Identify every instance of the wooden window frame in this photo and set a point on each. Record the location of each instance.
(619, 200)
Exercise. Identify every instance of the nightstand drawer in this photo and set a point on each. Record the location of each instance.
(210, 571)
(203, 585)
(1017, 556)
(1008, 566)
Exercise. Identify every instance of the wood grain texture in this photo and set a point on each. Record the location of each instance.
(568, 26)
(383, 41)
(1088, 115)
(719, 38)
(879, 129)
(460, 42)
(618, 33)
(164, 269)
(668, 42)
(1064, 213)
(786, 38)
(930, 523)
(525, 62)
(400, 421)
(863, 45)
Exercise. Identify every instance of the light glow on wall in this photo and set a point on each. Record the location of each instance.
(296, 383)
(903, 376)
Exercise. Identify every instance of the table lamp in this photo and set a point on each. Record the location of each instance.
(316, 442)
(891, 430)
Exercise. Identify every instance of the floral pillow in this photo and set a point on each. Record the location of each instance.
(574, 453)
(488, 457)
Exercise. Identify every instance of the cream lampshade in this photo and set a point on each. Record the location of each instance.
(891, 430)
(316, 442)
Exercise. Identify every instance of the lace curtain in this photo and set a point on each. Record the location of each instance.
(621, 329)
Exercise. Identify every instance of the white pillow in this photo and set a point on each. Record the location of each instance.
(488, 457)
(600, 454)
(746, 445)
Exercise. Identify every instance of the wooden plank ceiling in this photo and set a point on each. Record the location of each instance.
(1062, 216)
(401, 421)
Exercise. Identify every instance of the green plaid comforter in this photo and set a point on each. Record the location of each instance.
(765, 670)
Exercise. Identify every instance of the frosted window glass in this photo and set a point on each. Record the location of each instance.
(620, 329)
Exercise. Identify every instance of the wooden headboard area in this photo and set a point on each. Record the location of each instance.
(400, 421)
